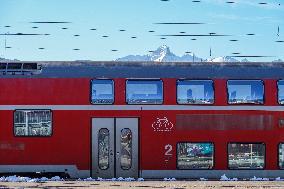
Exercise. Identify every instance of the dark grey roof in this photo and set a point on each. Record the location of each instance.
(90, 69)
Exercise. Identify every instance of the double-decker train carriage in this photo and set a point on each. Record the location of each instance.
(140, 119)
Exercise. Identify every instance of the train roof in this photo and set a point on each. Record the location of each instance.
(115, 69)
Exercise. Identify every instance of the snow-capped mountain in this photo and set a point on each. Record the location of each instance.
(162, 54)
(223, 59)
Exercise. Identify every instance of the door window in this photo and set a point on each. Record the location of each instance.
(103, 147)
(126, 149)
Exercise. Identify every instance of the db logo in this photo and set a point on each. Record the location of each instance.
(162, 125)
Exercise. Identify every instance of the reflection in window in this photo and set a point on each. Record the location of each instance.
(32, 123)
(281, 155)
(281, 92)
(102, 91)
(246, 156)
(195, 92)
(245, 91)
(126, 149)
(103, 148)
(144, 92)
(195, 155)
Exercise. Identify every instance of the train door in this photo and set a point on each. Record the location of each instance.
(114, 147)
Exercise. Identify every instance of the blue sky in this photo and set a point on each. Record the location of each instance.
(137, 17)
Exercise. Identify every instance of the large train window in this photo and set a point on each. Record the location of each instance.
(195, 92)
(245, 92)
(195, 155)
(32, 123)
(102, 91)
(144, 92)
(280, 85)
(246, 156)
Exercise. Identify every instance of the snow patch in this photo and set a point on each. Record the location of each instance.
(129, 179)
(169, 179)
(279, 179)
(203, 179)
(28, 179)
(225, 178)
(140, 179)
(258, 179)
(89, 179)
(56, 178)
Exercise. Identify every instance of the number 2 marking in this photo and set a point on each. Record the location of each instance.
(168, 149)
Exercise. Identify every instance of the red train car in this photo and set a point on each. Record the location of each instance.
(135, 119)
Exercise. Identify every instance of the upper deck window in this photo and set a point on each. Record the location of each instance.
(144, 92)
(245, 92)
(102, 91)
(280, 92)
(195, 92)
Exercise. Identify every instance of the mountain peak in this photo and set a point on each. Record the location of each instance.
(163, 48)
(161, 53)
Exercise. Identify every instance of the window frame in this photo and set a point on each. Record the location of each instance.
(277, 86)
(113, 89)
(264, 159)
(199, 104)
(240, 104)
(33, 136)
(130, 79)
(214, 154)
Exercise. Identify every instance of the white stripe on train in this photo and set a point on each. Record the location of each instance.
(141, 107)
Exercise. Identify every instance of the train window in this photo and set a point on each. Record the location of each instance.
(32, 123)
(195, 155)
(246, 156)
(280, 85)
(245, 92)
(126, 149)
(144, 92)
(102, 91)
(14, 66)
(3, 66)
(30, 66)
(281, 155)
(103, 148)
(195, 92)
